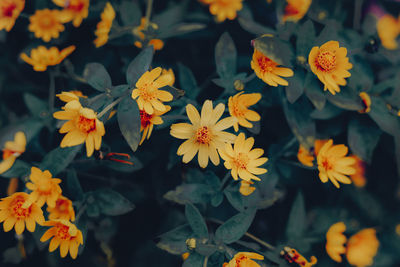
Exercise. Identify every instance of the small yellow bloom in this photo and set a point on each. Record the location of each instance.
(245, 188)
(267, 70)
(224, 9)
(366, 100)
(291, 255)
(41, 57)
(70, 96)
(244, 259)
(170, 74)
(9, 12)
(334, 165)
(238, 107)
(305, 157)
(12, 186)
(82, 126)
(74, 10)
(242, 160)
(147, 93)
(63, 210)
(362, 248)
(13, 214)
(46, 24)
(358, 178)
(331, 64)
(12, 150)
(45, 189)
(296, 9)
(335, 241)
(104, 26)
(205, 135)
(388, 28)
(147, 122)
(65, 235)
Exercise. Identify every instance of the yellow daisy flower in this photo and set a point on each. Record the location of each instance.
(9, 12)
(362, 248)
(242, 160)
(331, 64)
(45, 189)
(82, 126)
(74, 10)
(334, 165)
(41, 57)
(12, 214)
(388, 28)
(296, 9)
(70, 96)
(12, 150)
(147, 122)
(205, 135)
(358, 178)
(63, 210)
(224, 9)
(65, 235)
(335, 240)
(147, 93)
(238, 107)
(267, 70)
(245, 188)
(243, 259)
(104, 26)
(45, 24)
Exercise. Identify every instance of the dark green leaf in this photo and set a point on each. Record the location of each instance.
(305, 38)
(275, 49)
(30, 127)
(139, 65)
(119, 90)
(97, 76)
(58, 159)
(18, 169)
(174, 241)
(328, 112)
(112, 203)
(384, 85)
(194, 193)
(328, 33)
(346, 99)
(216, 260)
(196, 221)
(12, 255)
(248, 24)
(296, 87)
(296, 224)
(234, 228)
(314, 92)
(382, 116)
(187, 81)
(194, 260)
(181, 29)
(74, 188)
(217, 199)
(225, 56)
(170, 17)
(130, 13)
(129, 121)
(205, 249)
(36, 106)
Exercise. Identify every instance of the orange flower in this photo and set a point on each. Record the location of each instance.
(245, 188)
(70, 96)
(225, 9)
(358, 178)
(147, 121)
(388, 28)
(74, 10)
(65, 235)
(62, 210)
(239, 108)
(292, 255)
(296, 9)
(104, 26)
(12, 150)
(12, 213)
(9, 12)
(362, 248)
(335, 240)
(318, 144)
(305, 157)
(46, 24)
(244, 259)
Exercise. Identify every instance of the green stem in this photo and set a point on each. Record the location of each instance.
(120, 32)
(357, 14)
(205, 262)
(110, 106)
(52, 91)
(224, 180)
(249, 78)
(298, 164)
(81, 211)
(148, 13)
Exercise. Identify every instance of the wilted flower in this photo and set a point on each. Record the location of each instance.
(12, 213)
(331, 64)
(242, 160)
(296, 9)
(366, 100)
(305, 156)
(12, 150)
(267, 70)
(170, 74)
(244, 259)
(362, 248)
(82, 126)
(205, 135)
(10, 10)
(224, 9)
(65, 235)
(292, 255)
(74, 10)
(239, 108)
(335, 241)
(358, 178)
(42, 57)
(104, 26)
(46, 24)
(388, 28)
(147, 122)
(70, 96)
(62, 210)
(245, 188)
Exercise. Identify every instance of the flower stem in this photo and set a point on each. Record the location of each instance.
(81, 211)
(227, 176)
(205, 262)
(357, 14)
(110, 106)
(52, 91)
(249, 78)
(148, 13)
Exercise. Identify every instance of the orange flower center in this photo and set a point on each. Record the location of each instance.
(240, 260)
(326, 61)
(47, 21)
(62, 232)
(76, 6)
(62, 205)
(238, 110)
(17, 210)
(147, 93)
(145, 119)
(203, 135)
(266, 64)
(8, 10)
(291, 10)
(241, 161)
(86, 125)
(327, 165)
(7, 153)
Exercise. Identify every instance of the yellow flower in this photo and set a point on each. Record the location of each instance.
(45, 189)
(149, 97)
(70, 96)
(41, 57)
(296, 9)
(46, 24)
(362, 248)
(205, 135)
(12, 213)
(224, 9)
(331, 64)
(334, 165)
(238, 108)
(147, 122)
(358, 178)
(74, 10)
(388, 28)
(366, 100)
(9, 12)
(12, 150)
(245, 188)
(12, 186)
(267, 70)
(63, 210)
(170, 74)
(104, 26)
(318, 144)
(242, 160)
(244, 259)
(138, 31)
(82, 126)
(305, 157)
(65, 235)
(335, 240)
(291, 255)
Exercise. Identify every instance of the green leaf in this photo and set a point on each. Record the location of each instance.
(225, 57)
(194, 193)
(30, 127)
(139, 65)
(205, 249)
(216, 260)
(129, 121)
(194, 260)
(234, 228)
(130, 13)
(36, 106)
(196, 221)
(296, 224)
(174, 241)
(119, 90)
(275, 49)
(382, 116)
(328, 112)
(187, 81)
(296, 87)
(346, 99)
(170, 17)
(247, 22)
(18, 169)
(112, 203)
(97, 76)
(362, 137)
(58, 159)
(181, 29)
(314, 92)
(74, 188)
(305, 38)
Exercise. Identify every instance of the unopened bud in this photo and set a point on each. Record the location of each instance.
(239, 85)
(191, 243)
